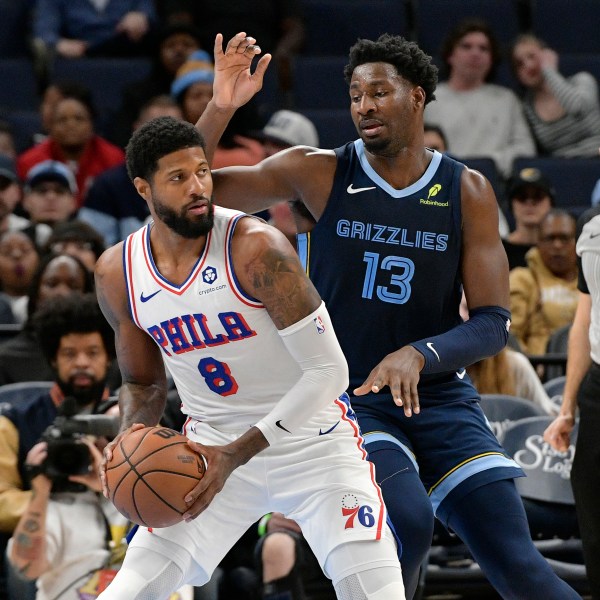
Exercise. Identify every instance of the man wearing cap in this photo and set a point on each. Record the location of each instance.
(10, 194)
(530, 197)
(49, 198)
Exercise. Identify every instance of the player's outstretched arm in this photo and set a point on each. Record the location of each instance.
(234, 85)
(142, 396)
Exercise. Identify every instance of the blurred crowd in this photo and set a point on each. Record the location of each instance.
(65, 197)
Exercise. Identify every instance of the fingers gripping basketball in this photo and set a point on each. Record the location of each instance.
(151, 472)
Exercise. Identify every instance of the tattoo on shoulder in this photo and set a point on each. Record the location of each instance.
(278, 280)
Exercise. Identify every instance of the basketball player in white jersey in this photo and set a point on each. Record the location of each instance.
(222, 299)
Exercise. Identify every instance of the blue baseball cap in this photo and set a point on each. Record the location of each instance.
(51, 170)
(197, 68)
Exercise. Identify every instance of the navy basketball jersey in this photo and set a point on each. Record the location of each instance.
(387, 261)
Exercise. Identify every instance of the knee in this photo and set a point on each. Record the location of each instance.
(278, 555)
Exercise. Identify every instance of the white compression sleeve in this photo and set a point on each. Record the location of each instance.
(313, 344)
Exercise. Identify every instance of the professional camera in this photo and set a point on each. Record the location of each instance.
(67, 452)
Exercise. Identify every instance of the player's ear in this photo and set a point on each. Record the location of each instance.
(143, 187)
(418, 96)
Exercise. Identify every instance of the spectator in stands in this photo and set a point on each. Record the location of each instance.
(480, 119)
(76, 28)
(52, 94)
(173, 46)
(563, 113)
(79, 344)
(510, 372)
(543, 295)
(581, 392)
(10, 195)
(435, 138)
(72, 141)
(113, 206)
(279, 25)
(192, 89)
(49, 198)
(531, 197)
(21, 358)
(78, 239)
(18, 262)
(7, 140)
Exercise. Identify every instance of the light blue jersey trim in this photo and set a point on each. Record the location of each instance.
(302, 249)
(381, 436)
(384, 185)
(461, 474)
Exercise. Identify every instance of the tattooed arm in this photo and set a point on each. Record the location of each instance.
(143, 395)
(28, 545)
(268, 269)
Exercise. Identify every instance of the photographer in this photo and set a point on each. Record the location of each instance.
(79, 344)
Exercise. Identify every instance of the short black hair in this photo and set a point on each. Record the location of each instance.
(410, 61)
(155, 139)
(75, 313)
(460, 31)
(76, 231)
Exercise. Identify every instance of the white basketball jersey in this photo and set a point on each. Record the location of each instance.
(225, 354)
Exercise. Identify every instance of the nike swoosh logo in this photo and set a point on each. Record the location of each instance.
(146, 298)
(278, 423)
(462, 374)
(593, 235)
(430, 346)
(329, 430)
(353, 190)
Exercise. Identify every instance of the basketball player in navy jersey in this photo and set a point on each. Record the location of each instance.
(222, 299)
(401, 230)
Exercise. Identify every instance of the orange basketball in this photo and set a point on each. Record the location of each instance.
(151, 472)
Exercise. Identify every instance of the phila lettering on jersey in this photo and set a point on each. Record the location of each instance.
(219, 344)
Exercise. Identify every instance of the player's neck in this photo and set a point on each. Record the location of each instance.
(174, 255)
(403, 168)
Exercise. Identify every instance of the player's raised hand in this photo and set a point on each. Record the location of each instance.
(400, 371)
(234, 83)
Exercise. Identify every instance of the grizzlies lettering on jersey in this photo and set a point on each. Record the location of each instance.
(218, 343)
(375, 253)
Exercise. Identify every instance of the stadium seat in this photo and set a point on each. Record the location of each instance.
(332, 26)
(487, 167)
(572, 178)
(335, 127)
(567, 26)
(502, 410)
(435, 18)
(24, 123)
(319, 82)
(571, 63)
(557, 344)
(555, 386)
(11, 393)
(19, 87)
(105, 77)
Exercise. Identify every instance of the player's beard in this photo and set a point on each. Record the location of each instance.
(181, 223)
(84, 395)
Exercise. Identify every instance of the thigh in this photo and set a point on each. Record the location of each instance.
(328, 486)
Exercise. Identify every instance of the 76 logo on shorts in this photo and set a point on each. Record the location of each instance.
(352, 509)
